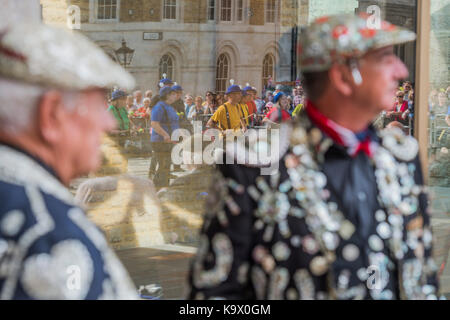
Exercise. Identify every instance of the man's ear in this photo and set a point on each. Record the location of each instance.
(50, 116)
(341, 79)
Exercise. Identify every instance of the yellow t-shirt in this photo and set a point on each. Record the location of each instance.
(235, 114)
(244, 111)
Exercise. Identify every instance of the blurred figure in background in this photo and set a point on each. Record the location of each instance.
(164, 120)
(164, 82)
(279, 112)
(188, 104)
(138, 99)
(399, 109)
(149, 94)
(210, 103)
(197, 110)
(130, 106)
(45, 237)
(407, 88)
(220, 99)
(118, 109)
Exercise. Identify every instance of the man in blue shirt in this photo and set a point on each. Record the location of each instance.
(164, 117)
(164, 121)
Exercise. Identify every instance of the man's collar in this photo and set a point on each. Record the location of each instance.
(34, 158)
(366, 140)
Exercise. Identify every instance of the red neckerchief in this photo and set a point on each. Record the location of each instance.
(339, 134)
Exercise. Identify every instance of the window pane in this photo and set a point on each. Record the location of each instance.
(170, 9)
(106, 9)
(268, 70)
(108, 12)
(270, 11)
(211, 9)
(239, 9)
(100, 13)
(201, 56)
(222, 73)
(166, 67)
(439, 110)
(225, 10)
(439, 128)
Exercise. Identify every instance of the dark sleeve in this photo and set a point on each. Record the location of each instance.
(429, 280)
(221, 266)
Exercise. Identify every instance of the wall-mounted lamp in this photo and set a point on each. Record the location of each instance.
(152, 11)
(130, 12)
(124, 54)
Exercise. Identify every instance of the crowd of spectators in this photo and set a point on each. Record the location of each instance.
(238, 108)
(134, 112)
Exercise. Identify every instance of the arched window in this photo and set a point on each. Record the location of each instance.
(166, 66)
(222, 73)
(268, 69)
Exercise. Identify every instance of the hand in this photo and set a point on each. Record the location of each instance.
(167, 138)
(405, 114)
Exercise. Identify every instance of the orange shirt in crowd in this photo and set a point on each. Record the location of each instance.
(251, 107)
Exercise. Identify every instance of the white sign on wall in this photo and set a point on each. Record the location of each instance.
(152, 36)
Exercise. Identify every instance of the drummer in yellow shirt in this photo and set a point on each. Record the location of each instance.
(230, 115)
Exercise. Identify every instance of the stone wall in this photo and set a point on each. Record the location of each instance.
(195, 11)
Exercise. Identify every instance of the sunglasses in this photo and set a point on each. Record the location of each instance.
(399, 96)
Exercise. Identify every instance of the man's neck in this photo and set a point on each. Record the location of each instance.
(344, 114)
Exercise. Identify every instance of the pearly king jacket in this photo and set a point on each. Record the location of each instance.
(48, 247)
(326, 225)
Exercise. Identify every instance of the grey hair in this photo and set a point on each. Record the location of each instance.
(19, 102)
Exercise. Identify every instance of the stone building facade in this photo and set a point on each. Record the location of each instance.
(201, 44)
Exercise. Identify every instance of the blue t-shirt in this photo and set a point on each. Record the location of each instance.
(159, 115)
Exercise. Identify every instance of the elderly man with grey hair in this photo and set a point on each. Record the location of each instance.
(53, 113)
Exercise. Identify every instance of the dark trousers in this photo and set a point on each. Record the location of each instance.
(159, 171)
